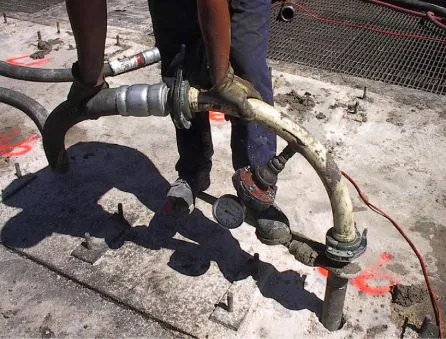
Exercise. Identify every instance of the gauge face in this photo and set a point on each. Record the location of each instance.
(229, 211)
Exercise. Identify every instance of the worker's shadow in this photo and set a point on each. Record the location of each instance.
(68, 204)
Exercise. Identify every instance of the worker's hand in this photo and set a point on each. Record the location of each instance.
(80, 92)
(236, 91)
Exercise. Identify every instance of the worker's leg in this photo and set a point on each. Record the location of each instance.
(175, 22)
(251, 143)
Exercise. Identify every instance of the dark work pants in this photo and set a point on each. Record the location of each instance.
(175, 22)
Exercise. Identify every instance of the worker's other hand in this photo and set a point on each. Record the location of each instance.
(236, 92)
(81, 92)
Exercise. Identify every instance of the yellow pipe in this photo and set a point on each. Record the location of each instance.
(304, 143)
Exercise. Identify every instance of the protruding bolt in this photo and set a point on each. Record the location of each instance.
(304, 278)
(120, 211)
(18, 172)
(39, 36)
(355, 110)
(426, 321)
(117, 40)
(5, 19)
(87, 240)
(364, 95)
(230, 301)
(58, 27)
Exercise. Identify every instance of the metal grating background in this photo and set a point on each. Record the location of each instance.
(26, 6)
(311, 40)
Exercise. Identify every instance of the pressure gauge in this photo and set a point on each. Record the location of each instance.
(229, 211)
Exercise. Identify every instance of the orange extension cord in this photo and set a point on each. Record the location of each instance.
(438, 22)
(433, 297)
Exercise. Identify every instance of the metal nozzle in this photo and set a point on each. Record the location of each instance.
(287, 13)
(142, 100)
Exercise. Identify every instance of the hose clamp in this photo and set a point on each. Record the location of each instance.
(345, 251)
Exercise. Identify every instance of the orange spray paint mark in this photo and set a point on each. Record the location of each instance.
(322, 271)
(13, 148)
(216, 116)
(373, 280)
(25, 60)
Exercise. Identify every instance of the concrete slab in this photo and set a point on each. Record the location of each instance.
(177, 271)
(37, 302)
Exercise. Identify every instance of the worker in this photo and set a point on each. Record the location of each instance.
(222, 38)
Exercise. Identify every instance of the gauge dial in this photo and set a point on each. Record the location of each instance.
(229, 211)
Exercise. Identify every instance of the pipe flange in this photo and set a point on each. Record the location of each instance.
(345, 251)
(179, 102)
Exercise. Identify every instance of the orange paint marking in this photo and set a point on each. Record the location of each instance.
(11, 148)
(20, 61)
(322, 271)
(216, 116)
(373, 280)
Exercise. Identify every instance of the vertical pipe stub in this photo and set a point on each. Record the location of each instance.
(332, 309)
(230, 302)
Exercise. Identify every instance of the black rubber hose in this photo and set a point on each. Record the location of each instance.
(64, 117)
(27, 105)
(41, 74)
(421, 6)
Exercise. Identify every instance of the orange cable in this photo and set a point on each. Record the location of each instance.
(433, 297)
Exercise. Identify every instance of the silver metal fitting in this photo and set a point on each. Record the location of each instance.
(287, 13)
(151, 56)
(142, 100)
(139, 60)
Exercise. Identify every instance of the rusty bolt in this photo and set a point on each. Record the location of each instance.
(58, 27)
(18, 172)
(117, 40)
(87, 240)
(5, 19)
(230, 300)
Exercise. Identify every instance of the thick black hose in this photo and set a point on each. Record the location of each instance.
(65, 116)
(421, 6)
(41, 74)
(27, 105)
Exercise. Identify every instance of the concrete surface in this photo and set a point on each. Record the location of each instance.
(178, 272)
(37, 302)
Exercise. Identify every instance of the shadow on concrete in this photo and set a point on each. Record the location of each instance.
(68, 204)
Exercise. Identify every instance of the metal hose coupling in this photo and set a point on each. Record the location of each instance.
(142, 100)
(139, 60)
(134, 100)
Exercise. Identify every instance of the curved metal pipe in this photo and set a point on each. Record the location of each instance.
(27, 105)
(303, 142)
(322, 162)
